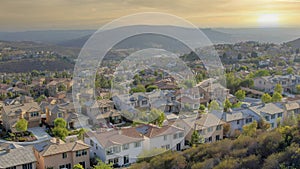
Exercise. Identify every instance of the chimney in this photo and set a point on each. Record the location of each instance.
(57, 141)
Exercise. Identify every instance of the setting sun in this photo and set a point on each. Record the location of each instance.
(268, 19)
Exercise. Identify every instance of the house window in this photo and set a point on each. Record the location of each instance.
(110, 161)
(126, 159)
(173, 98)
(14, 167)
(59, 115)
(249, 120)
(279, 115)
(180, 134)
(92, 143)
(167, 147)
(137, 144)
(238, 122)
(144, 102)
(165, 137)
(64, 155)
(267, 118)
(125, 146)
(219, 127)
(209, 129)
(116, 149)
(217, 137)
(210, 139)
(68, 166)
(175, 136)
(96, 146)
(27, 166)
(116, 160)
(273, 116)
(83, 152)
(34, 114)
(78, 153)
(272, 125)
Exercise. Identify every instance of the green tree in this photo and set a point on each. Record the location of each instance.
(78, 166)
(102, 165)
(62, 87)
(240, 95)
(289, 70)
(227, 105)
(277, 97)
(213, 105)
(250, 129)
(298, 88)
(150, 88)
(60, 132)
(278, 88)
(266, 98)
(195, 138)
(138, 88)
(60, 122)
(22, 125)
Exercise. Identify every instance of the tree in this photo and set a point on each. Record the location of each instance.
(266, 98)
(298, 88)
(213, 105)
(278, 88)
(150, 88)
(202, 107)
(277, 97)
(289, 70)
(62, 87)
(250, 129)
(78, 166)
(60, 132)
(138, 88)
(22, 125)
(195, 138)
(227, 105)
(240, 56)
(60, 122)
(102, 165)
(240, 95)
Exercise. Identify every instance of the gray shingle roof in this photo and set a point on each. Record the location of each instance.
(17, 157)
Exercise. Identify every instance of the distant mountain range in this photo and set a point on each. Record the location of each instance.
(76, 38)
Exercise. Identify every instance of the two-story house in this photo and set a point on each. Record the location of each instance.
(17, 158)
(125, 145)
(28, 111)
(270, 112)
(210, 126)
(60, 155)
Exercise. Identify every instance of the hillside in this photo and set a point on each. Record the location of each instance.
(295, 44)
(263, 149)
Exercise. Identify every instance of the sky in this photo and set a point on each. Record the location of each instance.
(21, 15)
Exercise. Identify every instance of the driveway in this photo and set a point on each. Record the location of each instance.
(40, 133)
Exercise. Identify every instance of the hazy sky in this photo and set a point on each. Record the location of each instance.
(18, 15)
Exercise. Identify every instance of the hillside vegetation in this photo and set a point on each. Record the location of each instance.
(276, 149)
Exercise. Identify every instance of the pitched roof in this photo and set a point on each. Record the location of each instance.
(269, 108)
(17, 157)
(53, 148)
(17, 109)
(209, 120)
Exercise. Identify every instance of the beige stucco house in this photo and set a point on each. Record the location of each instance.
(60, 155)
(28, 111)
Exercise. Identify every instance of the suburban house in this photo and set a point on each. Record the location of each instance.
(211, 89)
(59, 155)
(65, 111)
(118, 147)
(268, 83)
(17, 157)
(292, 107)
(237, 118)
(269, 112)
(28, 111)
(210, 126)
(123, 146)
